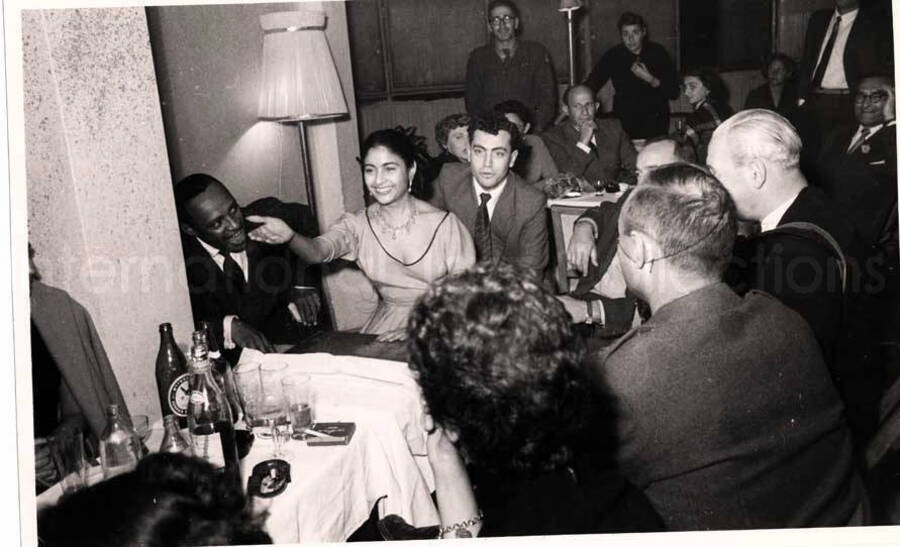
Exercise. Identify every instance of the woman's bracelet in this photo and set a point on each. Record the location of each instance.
(464, 525)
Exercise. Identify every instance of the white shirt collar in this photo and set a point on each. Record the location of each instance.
(219, 258)
(770, 221)
(846, 18)
(494, 193)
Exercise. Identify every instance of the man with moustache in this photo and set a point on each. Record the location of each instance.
(505, 215)
(246, 290)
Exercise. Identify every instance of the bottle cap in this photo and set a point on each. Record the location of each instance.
(164, 327)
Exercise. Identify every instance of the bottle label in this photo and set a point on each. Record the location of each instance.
(198, 398)
(209, 447)
(179, 395)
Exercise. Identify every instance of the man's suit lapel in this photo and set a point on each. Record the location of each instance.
(462, 194)
(504, 215)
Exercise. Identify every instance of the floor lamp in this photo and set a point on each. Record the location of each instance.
(568, 6)
(300, 82)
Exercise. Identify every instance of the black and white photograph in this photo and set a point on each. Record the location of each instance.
(381, 270)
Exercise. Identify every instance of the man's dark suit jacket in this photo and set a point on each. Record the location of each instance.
(518, 224)
(273, 271)
(605, 218)
(803, 274)
(614, 150)
(863, 184)
(869, 47)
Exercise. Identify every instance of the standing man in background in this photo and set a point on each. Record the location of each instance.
(509, 68)
(842, 46)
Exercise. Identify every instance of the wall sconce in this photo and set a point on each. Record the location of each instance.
(300, 82)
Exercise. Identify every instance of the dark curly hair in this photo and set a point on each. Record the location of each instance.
(168, 500)
(499, 363)
(718, 91)
(494, 123)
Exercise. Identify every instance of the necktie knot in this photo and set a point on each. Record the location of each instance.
(485, 197)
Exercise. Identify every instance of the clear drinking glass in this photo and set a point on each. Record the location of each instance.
(250, 392)
(273, 410)
(299, 401)
(67, 451)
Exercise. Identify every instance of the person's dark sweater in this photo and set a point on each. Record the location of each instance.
(642, 108)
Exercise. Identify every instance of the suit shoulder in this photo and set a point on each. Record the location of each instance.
(612, 124)
(529, 194)
(556, 133)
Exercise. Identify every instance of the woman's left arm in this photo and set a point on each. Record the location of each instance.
(459, 512)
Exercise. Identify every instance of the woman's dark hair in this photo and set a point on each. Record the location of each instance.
(500, 364)
(789, 65)
(630, 18)
(718, 91)
(513, 106)
(404, 142)
(168, 500)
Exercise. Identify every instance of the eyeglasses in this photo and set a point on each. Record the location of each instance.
(875, 97)
(495, 21)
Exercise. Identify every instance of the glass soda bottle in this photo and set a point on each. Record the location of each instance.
(120, 447)
(221, 369)
(209, 416)
(173, 441)
(171, 376)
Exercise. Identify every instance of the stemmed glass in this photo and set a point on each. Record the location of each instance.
(259, 389)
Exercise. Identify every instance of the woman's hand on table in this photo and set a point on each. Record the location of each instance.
(395, 335)
(582, 251)
(272, 231)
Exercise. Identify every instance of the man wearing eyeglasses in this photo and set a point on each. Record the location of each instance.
(510, 69)
(857, 167)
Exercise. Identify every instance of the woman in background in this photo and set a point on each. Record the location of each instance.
(402, 244)
(779, 93)
(708, 96)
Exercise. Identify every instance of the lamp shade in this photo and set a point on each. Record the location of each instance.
(570, 5)
(299, 79)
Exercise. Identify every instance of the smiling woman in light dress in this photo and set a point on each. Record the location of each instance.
(400, 243)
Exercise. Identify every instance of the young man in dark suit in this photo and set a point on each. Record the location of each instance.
(506, 216)
(243, 288)
(587, 146)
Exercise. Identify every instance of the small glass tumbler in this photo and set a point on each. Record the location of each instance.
(299, 401)
(67, 451)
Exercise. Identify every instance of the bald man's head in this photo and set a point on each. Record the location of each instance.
(580, 104)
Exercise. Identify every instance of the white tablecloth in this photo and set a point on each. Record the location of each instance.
(334, 488)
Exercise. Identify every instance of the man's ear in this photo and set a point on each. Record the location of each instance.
(186, 228)
(526, 129)
(512, 158)
(758, 173)
(565, 110)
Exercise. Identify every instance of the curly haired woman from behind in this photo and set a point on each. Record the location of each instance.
(512, 410)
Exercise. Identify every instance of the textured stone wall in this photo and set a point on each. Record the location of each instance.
(101, 215)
